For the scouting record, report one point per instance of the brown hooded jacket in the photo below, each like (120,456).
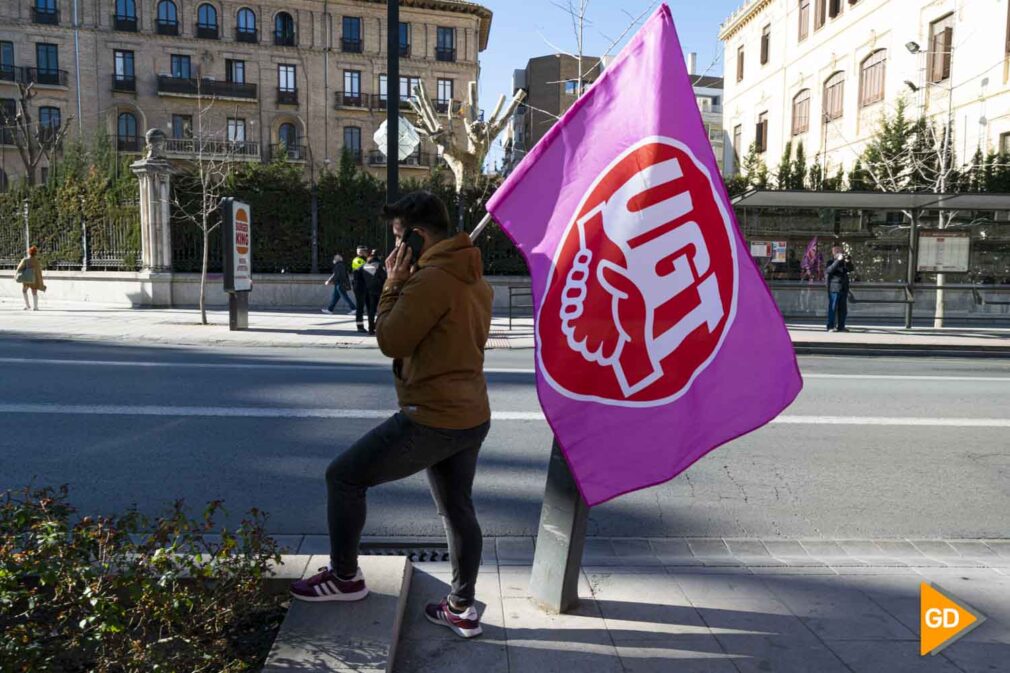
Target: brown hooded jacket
(435,327)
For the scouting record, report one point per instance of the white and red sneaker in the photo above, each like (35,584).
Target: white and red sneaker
(464,624)
(326,586)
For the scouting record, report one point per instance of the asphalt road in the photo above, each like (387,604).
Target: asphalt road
(129,425)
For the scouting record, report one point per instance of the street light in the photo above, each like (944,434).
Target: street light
(913,47)
(911,85)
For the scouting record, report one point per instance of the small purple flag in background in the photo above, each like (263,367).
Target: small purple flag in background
(657,339)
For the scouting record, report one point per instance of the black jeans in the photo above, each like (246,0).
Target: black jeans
(398,448)
(372,308)
(359,307)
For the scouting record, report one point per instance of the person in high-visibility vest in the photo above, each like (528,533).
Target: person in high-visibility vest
(360,292)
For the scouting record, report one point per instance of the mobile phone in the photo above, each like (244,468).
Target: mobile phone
(413,240)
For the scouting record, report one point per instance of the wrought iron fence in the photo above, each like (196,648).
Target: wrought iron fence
(111,243)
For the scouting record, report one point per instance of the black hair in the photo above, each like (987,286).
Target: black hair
(420,209)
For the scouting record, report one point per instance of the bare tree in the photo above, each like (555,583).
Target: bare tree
(34,140)
(214,156)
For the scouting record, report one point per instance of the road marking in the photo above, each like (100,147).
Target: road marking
(373,414)
(384,366)
(900,377)
(487,370)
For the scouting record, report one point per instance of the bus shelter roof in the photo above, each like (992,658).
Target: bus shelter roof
(800,199)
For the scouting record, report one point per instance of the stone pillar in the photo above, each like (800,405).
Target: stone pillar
(154,175)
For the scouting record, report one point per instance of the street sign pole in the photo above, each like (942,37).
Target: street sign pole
(557,560)
(393,100)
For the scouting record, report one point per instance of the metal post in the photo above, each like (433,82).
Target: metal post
(315,228)
(913,246)
(393,100)
(28,240)
(84,246)
(554,581)
(238,311)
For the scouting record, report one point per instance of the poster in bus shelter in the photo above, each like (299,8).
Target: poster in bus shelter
(943,251)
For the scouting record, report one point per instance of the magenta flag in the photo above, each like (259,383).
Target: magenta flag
(656,337)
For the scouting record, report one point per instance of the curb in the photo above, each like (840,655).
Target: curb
(902,350)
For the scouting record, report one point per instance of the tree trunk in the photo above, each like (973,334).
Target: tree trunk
(203,274)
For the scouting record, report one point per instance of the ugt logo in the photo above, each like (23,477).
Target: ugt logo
(643,286)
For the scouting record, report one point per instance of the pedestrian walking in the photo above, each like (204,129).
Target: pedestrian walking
(434,319)
(29,274)
(371,276)
(360,295)
(837,275)
(341,282)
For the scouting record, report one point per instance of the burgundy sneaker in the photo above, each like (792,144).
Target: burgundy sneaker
(465,624)
(326,586)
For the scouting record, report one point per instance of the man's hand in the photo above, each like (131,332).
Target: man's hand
(398,265)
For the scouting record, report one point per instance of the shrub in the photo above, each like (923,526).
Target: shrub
(126,593)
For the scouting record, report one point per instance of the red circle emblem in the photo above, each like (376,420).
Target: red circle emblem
(644,281)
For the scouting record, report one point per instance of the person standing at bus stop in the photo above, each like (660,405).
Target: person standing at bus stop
(360,293)
(837,275)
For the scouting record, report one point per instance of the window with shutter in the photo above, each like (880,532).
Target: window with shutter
(801,112)
(804,20)
(761,133)
(834,8)
(820,13)
(766,38)
(834,90)
(871,78)
(739,63)
(941,44)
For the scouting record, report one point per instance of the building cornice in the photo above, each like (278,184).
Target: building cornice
(741,17)
(460,6)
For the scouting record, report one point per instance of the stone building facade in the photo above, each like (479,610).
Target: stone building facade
(824,72)
(301,80)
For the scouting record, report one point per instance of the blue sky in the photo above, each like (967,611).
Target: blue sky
(522,29)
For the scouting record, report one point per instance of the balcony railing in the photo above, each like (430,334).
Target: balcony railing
(127,24)
(247,35)
(8,73)
(357,155)
(282,39)
(419,159)
(443,106)
(285,152)
(206,87)
(287,96)
(190,147)
(206,31)
(126,83)
(404,50)
(354,99)
(42,76)
(167,27)
(128,144)
(445,54)
(49,17)
(380,103)
(350,45)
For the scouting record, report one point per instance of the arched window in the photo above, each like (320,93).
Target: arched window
(126,9)
(126,132)
(834,94)
(801,112)
(284,30)
(206,21)
(871,78)
(167,13)
(288,134)
(246,25)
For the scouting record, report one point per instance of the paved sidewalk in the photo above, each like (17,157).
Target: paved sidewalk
(720,606)
(307,329)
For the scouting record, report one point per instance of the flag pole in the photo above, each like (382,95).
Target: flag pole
(487,219)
